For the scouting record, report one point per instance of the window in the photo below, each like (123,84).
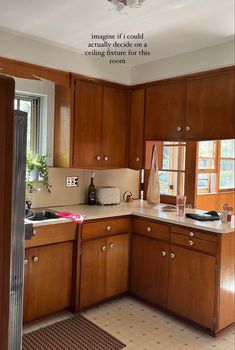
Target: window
(30,105)
(215,166)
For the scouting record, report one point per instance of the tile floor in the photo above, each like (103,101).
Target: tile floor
(142,327)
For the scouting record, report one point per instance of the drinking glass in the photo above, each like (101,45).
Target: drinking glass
(180,205)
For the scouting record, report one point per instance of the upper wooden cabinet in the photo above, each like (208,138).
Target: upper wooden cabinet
(101,125)
(200,107)
(136,142)
(165,111)
(210,109)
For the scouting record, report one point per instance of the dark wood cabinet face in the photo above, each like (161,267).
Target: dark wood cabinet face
(165,111)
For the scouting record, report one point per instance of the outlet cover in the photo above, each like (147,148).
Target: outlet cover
(72,181)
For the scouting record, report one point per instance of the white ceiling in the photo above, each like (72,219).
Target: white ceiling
(170,27)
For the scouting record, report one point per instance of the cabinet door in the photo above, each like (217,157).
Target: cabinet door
(117,265)
(165,111)
(211,107)
(87,125)
(136,149)
(115,127)
(93,271)
(191,291)
(149,269)
(50,279)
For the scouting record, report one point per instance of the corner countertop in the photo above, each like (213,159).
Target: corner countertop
(141,209)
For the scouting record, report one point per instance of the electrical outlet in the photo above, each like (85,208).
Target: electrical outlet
(72,181)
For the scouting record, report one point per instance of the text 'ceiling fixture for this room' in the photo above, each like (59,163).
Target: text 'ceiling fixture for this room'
(121,4)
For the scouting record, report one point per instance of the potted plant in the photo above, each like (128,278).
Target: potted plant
(37,172)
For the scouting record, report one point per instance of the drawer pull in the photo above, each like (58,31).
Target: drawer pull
(148,229)
(190,242)
(98,157)
(35,259)
(178,128)
(34,232)
(163,253)
(191,234)
(26,261)
(111,245)
(137,159)
(188,128)
(104,248)
(172,255)
(106,158)
(109,228)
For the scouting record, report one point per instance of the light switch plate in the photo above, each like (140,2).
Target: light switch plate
(72,181)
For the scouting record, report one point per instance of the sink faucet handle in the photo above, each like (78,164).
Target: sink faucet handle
(28,204)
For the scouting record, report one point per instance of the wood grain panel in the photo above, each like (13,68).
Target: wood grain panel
(115,127)
(87,125)
(105,227)
(194,243)
(50,234)
(165,111)
(151,229)
(149,269)
(211,107)
(191,232)
(136,142)
(117,265)
(93,272)
(215,201)
(191,288)
(49,280)
(7,91)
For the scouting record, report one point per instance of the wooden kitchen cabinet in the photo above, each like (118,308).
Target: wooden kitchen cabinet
(48,280)
(87,125)
(104,268)
(165,111)
(192,285)
(210,107)
(149,269)
(136,142)
(101,126)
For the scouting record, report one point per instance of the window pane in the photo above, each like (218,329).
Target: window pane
(227,173)
(206,163)
(207,149)
(206,183)
(26,106)
(171,183)
(228,149)
(174,158)
(15,103)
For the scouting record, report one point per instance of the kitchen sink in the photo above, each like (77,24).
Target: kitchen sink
(42,215)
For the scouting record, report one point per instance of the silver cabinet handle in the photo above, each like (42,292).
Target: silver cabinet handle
(163,253)
(104,248)
(35,259)
(172,255)
(111,245)
(148,229)
(98,157)
(178,128)
(34,232)
(191,234)
(137,159)
(106,158)
(109,228)
(26,261)
(190,242)
(188,128)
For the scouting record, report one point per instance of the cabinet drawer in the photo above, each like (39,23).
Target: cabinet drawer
(50,234)
(194,243)
(105,228)
(151,229)
(190,232)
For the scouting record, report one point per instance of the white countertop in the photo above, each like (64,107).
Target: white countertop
(140,208)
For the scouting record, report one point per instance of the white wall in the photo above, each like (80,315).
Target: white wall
(125,179)
(33,51)
(197,61)
(46,90)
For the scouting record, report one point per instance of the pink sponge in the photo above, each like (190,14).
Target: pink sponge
(78,218)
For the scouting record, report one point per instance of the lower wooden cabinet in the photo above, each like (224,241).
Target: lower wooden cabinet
(104,268)
(191,285)
(48,280)
(149,273)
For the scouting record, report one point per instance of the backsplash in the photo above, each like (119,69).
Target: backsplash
(125,179)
